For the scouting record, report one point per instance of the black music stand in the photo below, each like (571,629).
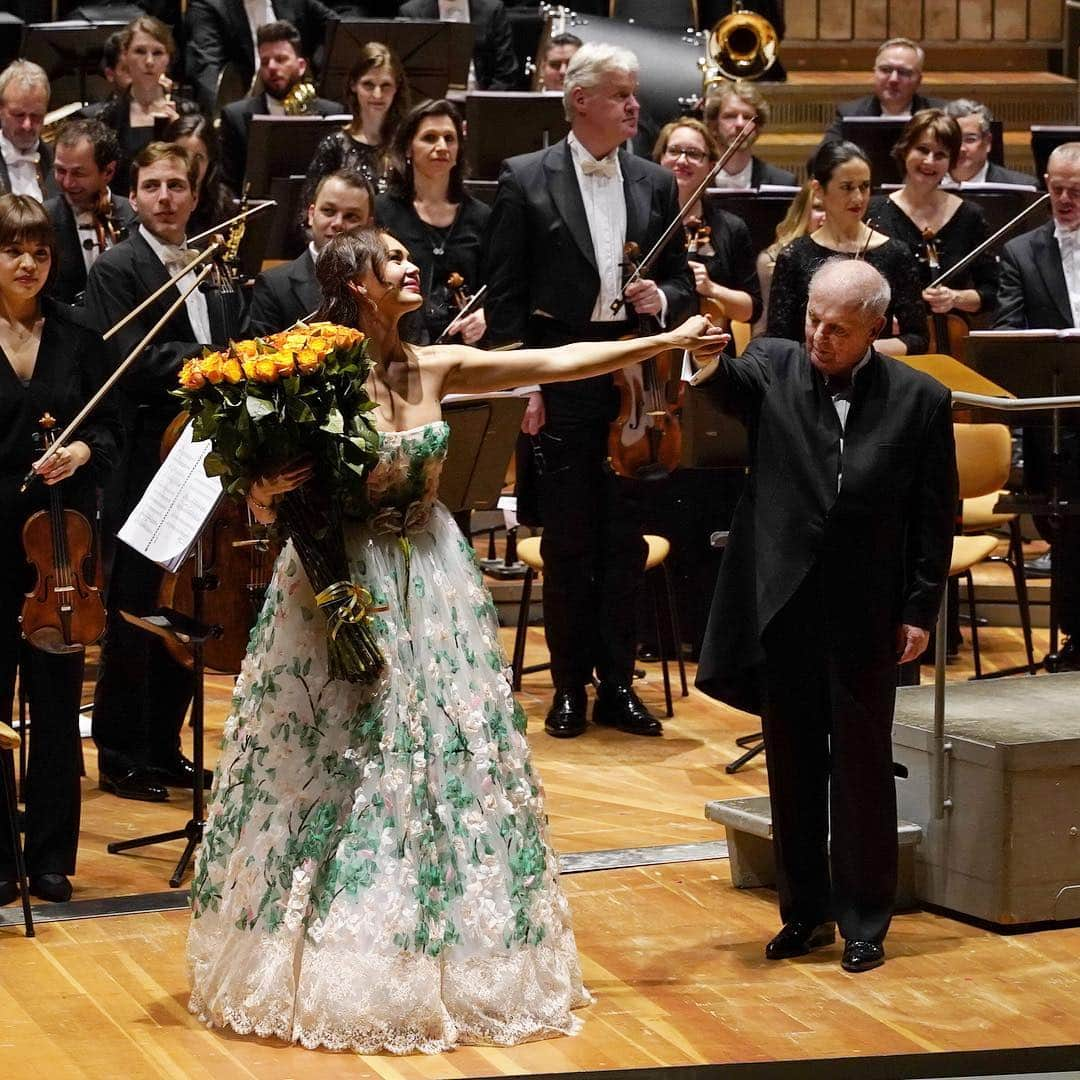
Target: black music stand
(70,53)
(503,124)
(193,633)
(283,146)
(434,54)
(1050,368)
(761,210)
(1000,203)
(877,135)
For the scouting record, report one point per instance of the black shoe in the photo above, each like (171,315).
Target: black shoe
(619,707)
(1067,658)
(9,891)
(862,955)
(566,717)
(180,773)
(136,783)
(798,938)
(52,887)
(1040,566)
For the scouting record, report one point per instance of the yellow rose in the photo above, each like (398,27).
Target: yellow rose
(294,342)
(232,370)
(265,370)
(191,378)
(284,363)
(246,349)
(210,366)
(249,368)
(308,361)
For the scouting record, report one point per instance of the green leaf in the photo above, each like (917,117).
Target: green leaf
(257,408)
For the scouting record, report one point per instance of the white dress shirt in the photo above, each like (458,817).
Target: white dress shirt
(978,178)
(454,10)
(86,230)
(23,168)
(172,258)
(841,399)
(1069,246)
(259,13)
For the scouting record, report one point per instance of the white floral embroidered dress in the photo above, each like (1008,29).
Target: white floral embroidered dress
(375,872)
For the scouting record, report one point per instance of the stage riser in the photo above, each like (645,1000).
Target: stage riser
(1008,849)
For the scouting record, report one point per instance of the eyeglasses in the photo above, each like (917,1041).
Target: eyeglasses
(886,70)
(692,154)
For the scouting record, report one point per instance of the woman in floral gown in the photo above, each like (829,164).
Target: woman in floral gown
(375,872)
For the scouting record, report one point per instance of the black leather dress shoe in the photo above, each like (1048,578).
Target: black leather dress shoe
(55,888)
(566,717)
(1067,658)
(862,955)
(798,938)
(619,707)
(134,784)
(180,773)
(9,891)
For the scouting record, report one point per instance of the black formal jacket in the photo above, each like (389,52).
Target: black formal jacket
(69,280)
(282,295)
(236,126)
(761,172)
(998,174)
(48,181)
(1032,294)
(871,106)
(883,541)
(493,52)
(119,280)
(219,34)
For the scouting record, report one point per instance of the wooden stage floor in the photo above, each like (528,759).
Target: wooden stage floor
(672,952)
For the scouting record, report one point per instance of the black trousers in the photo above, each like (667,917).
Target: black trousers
(142,693)
(828,743)
(54,686)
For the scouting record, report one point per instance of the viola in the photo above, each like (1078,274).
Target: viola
(645,438)
(238,561)
(63,613)
(948,331)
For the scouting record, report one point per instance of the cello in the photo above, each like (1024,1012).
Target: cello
(63,613)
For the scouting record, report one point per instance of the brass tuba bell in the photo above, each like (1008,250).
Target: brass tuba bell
(742,45)
(300,99)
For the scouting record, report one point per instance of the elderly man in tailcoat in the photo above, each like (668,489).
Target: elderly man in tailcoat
(833,575)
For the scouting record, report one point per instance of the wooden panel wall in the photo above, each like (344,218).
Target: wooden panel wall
(1006,21)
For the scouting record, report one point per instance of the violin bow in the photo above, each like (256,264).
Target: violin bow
(106,386)
(257,208)
(972,255)
(676,222)
(474,302)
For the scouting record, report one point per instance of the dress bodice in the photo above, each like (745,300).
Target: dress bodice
(404,484)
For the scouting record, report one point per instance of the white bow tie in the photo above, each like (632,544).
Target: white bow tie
(605,167)
(174,258)
(23,157)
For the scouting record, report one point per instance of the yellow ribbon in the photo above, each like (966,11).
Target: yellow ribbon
(346,602)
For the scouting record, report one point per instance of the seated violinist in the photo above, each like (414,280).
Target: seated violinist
(87,217)
(142,693)
(344,201)
(54,365)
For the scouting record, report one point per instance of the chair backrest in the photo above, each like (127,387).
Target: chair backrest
(983,458)
(740,334)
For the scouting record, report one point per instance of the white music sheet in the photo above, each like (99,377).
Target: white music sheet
(175,506)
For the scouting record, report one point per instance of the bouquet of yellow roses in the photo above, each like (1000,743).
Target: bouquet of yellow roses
(266,402)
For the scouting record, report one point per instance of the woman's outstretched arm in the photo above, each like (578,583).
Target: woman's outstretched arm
(468,370)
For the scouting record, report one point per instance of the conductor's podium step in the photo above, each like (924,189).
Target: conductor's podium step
(748,825)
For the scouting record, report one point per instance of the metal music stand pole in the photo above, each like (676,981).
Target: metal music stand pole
(194,633)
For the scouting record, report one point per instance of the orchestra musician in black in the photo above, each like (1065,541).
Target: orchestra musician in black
(142,693)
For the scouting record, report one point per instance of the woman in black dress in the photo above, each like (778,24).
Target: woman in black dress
(722,253)
(841,173)
(379,94)
(920,212)
(428,210)
(49,363)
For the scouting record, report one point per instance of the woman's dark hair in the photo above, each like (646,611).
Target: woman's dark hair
(830,156)
(23,221)
(215,198)
(374,56)
(935,124)
(401,171)
(341,262)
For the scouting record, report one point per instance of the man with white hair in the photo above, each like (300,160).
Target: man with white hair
(554,266)
(833,575)
(25,161)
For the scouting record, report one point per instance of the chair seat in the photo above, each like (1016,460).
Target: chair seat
(9,738)
(528,551)
(969,551)
(979,515)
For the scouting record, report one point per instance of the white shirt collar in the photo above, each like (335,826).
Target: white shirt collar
(162,250)
(454,10)
(580,154)
(12,153)
(1066,236)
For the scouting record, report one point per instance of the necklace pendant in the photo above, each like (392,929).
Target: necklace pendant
(438,251)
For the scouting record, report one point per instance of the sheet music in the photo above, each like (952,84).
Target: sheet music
(175,506)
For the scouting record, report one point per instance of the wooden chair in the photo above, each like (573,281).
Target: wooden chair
(983,461)
(659,548)
(9,743)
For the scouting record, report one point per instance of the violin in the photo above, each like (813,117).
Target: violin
(63,613)
(948,331)
(461,300)
(645,438)
(238,561)
(698,248)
